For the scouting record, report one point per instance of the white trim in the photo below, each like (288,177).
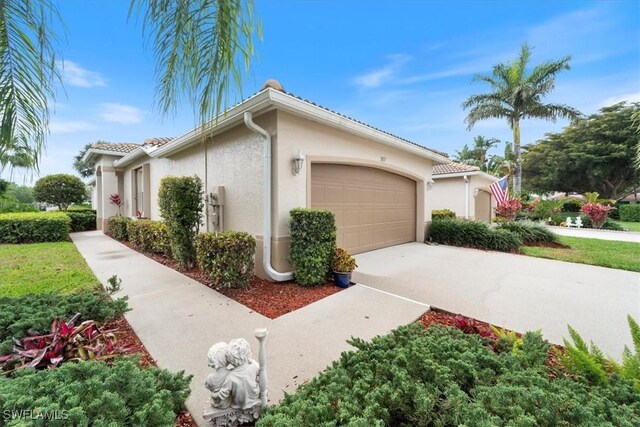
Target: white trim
(129,158)
(91,151)
(463,174)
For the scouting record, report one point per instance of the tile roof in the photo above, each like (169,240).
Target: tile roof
(453,167)
(157,142)
(118,148)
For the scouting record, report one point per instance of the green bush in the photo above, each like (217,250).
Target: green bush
(443,377)
(630,213)
(149,236)
(82,220)
(227,257)
(180,200)
(81,208)
(472,234)
(36,311)
(61,190)
(571,205)
(442,214)
(529,232)
(94,393)
(313,244)
(11,205)
(118,227)
(32,227)
(615,212)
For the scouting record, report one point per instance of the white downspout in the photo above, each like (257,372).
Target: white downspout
(466,197)
(266,202)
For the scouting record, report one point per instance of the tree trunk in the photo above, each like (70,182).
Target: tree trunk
(517,179)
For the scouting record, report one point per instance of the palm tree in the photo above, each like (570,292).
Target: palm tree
(476,156)
(517,94)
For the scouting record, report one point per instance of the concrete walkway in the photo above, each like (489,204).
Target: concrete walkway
(514,291)
(178,319)
(622,236)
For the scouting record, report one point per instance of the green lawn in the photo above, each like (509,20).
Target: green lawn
(631,226)
(40,267)
(604,253)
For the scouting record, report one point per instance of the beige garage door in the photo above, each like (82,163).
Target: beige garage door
(373,208)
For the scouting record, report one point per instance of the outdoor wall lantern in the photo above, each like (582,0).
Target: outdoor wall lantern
(297,162)
(430,184)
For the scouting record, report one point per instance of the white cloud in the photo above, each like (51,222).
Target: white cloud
(629,97)
(75,75)
(69,126)
(121,113)
(380,76)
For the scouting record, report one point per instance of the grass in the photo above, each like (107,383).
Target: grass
(631,226)
(40,267)
(603,253)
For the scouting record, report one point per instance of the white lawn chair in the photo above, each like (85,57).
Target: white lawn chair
(578,222)
(569,223)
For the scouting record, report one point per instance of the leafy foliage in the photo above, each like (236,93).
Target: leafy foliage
(60,190)
(594,153)
(227,257)
(529,232)
(118,227)
(472,234)
(313,243)
(35,311)
(82,220)
(442,214)
(597,213)
(477,156)
(180,200)
(149,236)
(630,213)
(12,205)
(343,262)
(98,394)
(84,168)
(31,227)
(571,205)
(508,208)
(442,377)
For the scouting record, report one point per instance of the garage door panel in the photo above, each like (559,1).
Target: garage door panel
(373,208)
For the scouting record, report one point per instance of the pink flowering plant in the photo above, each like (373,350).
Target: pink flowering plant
(115,199)
(597,213)
(508,208)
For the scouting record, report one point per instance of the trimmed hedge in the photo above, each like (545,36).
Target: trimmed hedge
(313,243)
(529,232)
(118,227)
(228,257)
(442,214)
(472,234)
(82,220)
(629,213)
(149,236)
(34,227)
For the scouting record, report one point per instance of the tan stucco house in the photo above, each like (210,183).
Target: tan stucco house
(269,154)
(463,189)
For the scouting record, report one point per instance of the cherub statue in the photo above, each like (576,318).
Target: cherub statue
(217,360)
(240,389)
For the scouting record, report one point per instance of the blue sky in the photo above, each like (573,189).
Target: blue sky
(402,66)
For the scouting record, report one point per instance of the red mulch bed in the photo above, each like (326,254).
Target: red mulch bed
(267,298)
(555,245)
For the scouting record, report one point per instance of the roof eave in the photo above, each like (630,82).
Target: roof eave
(462,174)
(94,151)
(129,158)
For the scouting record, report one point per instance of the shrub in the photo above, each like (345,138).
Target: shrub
(597,213)
(180,200)
(118,227)
(508,208)
(472,234)
(313,243)
(571,205)
(11,204)
(529,232)
(630,213)
(227,257)
(442,214)
(60,190)
(442,377)
(81,208)
(149,236)
(35,311)
(97,394)
(343,262)
(82,220)
(34,227)
(615,212)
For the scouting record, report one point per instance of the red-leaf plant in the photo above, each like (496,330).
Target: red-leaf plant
(597,213)
(65,342)
(508,208)
(470,326)
(116,200)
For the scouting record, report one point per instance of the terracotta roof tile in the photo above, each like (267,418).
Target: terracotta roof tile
(118,148)
(157,142)
(453,167)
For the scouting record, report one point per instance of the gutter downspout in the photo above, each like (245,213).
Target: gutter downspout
(466,197)
(266,202)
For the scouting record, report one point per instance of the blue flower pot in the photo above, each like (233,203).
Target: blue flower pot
(342,280)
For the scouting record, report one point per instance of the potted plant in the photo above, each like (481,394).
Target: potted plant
(343,264)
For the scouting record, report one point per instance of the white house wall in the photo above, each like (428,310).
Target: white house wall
(449,193)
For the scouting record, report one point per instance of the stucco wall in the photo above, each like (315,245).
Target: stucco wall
(449,193)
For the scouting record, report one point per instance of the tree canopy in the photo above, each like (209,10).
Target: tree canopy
(60,190)
(593,154)
(85,169)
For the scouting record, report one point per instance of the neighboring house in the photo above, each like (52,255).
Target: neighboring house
(269,154)
(463,189)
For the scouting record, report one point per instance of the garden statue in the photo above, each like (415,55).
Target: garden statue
(238,385)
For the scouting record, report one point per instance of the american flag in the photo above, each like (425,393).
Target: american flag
(499,189)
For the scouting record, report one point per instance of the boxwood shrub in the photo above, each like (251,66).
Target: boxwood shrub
(94,393)
(118,227)
(228,257)
(442,214)
(313,243)
(84,220)
(149,236)
(472,234)
(32,227)
(629,213)
(529,232)
(442,377)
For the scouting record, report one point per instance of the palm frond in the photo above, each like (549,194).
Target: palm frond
(552,112)
(27,75)
(487,111)
(202,48)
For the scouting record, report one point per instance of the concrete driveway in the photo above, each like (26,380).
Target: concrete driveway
(514,291)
